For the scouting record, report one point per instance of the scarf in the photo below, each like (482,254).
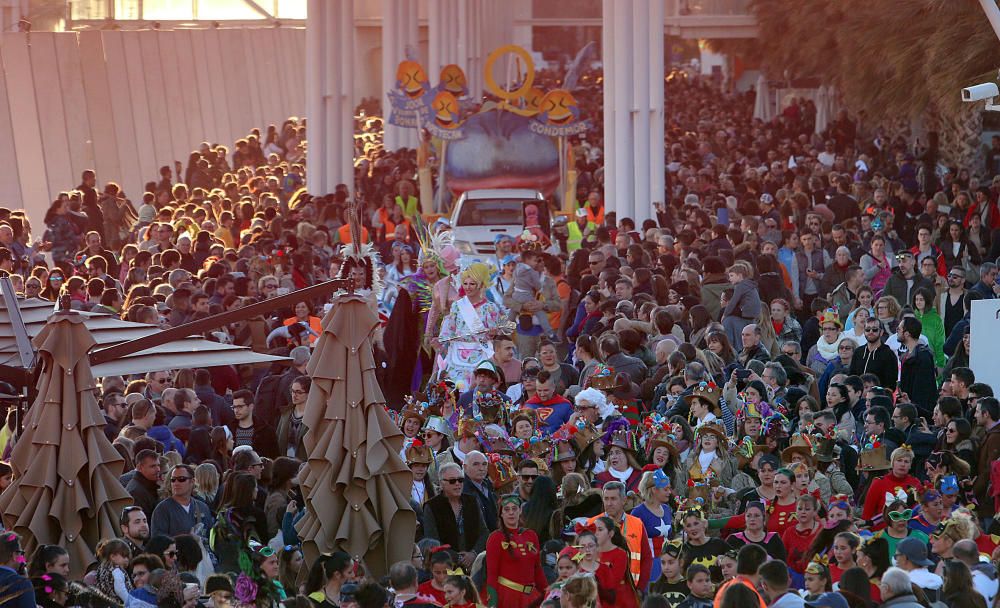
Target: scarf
(621,476)
(826,350)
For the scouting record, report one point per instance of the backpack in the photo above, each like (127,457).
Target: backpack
(266,399)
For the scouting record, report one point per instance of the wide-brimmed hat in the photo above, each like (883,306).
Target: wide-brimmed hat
(438,393)
(709,392)
(537,447)
(713,427)
(625,439)
(873,457)
(603,378)
(624,388)
(801,443)
(492,406)
(661,433)
(825,448)
(501,473)
(413,409)
(439,425)
(418,453)
(525,413)
(582,435)
(467,427)
(562,451)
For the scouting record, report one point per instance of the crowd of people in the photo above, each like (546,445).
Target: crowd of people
(763,396)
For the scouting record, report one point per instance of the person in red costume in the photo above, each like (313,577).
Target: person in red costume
(615,587)
(440,563)
(898,477)
(514,575)
(780,511)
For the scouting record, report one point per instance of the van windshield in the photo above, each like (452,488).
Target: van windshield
(491,212)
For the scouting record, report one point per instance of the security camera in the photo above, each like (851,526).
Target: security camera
(987,90)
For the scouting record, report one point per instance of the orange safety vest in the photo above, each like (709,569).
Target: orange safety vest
(597,219)
(632,529)
(389,226)
(344,234)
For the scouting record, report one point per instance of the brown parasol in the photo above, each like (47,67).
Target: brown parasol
(65,489)
(356,485)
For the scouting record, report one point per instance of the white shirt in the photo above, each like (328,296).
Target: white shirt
(925,579)
(986,586)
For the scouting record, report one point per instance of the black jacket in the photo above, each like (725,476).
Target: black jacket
(144,493)
(440,523)
(265,441)
(896,287)
(917,379)
(883,363)
(487,502)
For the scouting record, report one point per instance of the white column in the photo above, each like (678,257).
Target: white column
(329,93)
(657,146)
(633,107)
(399,32)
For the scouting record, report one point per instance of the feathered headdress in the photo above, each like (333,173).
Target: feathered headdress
(360,255)
(438,247)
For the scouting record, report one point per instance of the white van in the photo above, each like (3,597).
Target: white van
(480,215)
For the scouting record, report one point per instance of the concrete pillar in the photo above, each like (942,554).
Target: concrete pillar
(521,11)
(399,33)
(330,60)
(633,107)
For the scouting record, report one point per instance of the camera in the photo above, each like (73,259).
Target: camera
(986,91)
(979,92)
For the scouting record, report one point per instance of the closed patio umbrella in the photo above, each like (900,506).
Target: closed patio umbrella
(65,489)
(356,486)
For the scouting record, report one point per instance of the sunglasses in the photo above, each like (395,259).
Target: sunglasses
(170,554)
(529,477)
(453,480)
(872,330)
(904,515)
(179,479)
